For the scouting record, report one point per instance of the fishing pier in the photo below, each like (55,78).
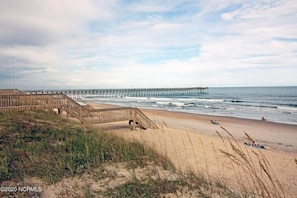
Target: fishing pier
(137,92)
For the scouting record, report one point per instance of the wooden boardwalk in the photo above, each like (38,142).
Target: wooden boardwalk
(18,101)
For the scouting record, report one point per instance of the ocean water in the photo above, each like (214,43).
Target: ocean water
(276,104)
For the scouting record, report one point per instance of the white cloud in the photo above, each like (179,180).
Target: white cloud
(147,43)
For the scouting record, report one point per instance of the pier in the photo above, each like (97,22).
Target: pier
(137,92)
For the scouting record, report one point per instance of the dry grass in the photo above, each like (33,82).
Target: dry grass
(253,174)
(252,169)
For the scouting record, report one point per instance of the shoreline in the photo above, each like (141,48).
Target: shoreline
(218,115)
(106,105)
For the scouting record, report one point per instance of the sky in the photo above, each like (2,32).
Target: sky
(75,44)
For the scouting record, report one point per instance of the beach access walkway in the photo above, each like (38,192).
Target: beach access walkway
(14,100)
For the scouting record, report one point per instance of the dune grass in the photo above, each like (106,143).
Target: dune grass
(41,144)
(46,146)
(253,171)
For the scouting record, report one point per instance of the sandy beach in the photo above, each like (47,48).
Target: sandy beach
(192,143)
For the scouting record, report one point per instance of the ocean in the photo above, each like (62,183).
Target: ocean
(276,104)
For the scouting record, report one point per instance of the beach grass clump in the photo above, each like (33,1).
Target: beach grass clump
(252,169)
(151,188)
(185,185)
(42,144)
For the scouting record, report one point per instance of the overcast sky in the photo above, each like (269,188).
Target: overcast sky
(70,44)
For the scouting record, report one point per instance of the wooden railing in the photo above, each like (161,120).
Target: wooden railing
(29,102)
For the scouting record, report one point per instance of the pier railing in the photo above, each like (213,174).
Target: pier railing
(61,102)
(137,92)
